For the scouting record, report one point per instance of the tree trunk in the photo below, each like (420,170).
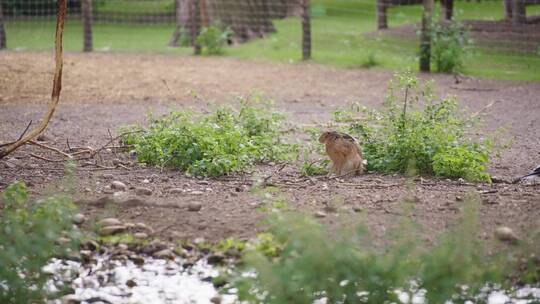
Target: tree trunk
(425,36)
(518,12)
(382,18)
(2,29)
(447,9)
(179,9)
(195,25)
(247,18)
(86,14)
(508,9)
(306,30)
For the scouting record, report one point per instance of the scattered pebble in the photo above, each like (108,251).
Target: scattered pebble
(320,214)
(118,185)
(176,190)
(107,175)
(506,234)
(140,235)
(194,206)
(43,137)
(146,181)
(110,230)
(215,258)
(79,219)
(143,191)
(111,221)
(196,192)
(164,254)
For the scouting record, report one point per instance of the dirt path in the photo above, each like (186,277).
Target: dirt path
(105,91)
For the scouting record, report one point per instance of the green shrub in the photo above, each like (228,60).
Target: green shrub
(417,132)
(27,242)
(347,268)
(450,44)
(219,143)
(212,39)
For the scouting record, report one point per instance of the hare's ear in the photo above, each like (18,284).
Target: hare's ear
(323,137)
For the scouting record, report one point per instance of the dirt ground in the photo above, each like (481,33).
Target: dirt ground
(102,92)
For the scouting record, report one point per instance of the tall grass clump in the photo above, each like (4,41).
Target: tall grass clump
(28,234)
(347,268)
(212,39)
(416,130)
(450,45)
(214,144)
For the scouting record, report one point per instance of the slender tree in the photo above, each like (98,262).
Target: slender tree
(2,29)
(86,15)
(306,30)
(425,36)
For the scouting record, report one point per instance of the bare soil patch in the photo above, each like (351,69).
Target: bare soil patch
(105,91)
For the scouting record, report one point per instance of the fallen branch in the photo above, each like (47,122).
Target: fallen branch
(51,148)
(46,159)
(57,86)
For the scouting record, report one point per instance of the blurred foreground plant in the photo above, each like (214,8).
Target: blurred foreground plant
(29,234)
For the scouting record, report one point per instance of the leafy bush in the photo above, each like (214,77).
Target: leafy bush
(315,264)
(220,143)
(212,39)
(450,44)
(27,242)
(417,130)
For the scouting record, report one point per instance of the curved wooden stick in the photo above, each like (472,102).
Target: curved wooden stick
(57,85)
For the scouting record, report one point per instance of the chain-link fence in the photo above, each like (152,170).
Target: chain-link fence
(491,37)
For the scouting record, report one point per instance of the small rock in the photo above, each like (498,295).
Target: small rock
(320,214)
(108,190)
(110,230)
(196,192)
(164,254)
(216,300)
(143,191)
(194,206)
(357,209)
(86,255)
(459,198)
(141,226)
(498,180)
(43,137)
(506,234)
(123,247)
(324,186)
(138,260)
(131,283)
(107,176)
(140,235)
(118,185)
(70,299)
(91,245)
(215,258)
(176,191)
(79,219)
(146,181)
(131,201)
(111,221)
(154,246)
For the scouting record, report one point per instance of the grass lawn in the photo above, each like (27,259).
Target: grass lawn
(343,34)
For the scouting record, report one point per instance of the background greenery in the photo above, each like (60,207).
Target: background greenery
(343,36)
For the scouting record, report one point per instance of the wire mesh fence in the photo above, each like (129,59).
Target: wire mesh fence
(502,36)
